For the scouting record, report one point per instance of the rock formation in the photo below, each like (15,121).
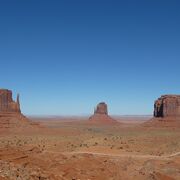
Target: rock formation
(10,112)
(166,112)
(101,109)
(101,115)
(167,106)
(6,102)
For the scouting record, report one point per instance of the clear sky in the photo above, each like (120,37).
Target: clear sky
(65,56)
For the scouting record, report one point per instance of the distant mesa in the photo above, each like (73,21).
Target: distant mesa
(166,112)
(10,112)
(167,106)
(101,115)
(101,109)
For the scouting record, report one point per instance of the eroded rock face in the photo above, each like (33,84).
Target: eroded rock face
(101,109)
(10,113)
(7,104)
(167,106)
(101,115)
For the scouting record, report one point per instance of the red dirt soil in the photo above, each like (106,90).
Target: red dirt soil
(77,150)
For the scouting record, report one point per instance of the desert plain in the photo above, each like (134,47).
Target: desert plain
(72,148)
(89,90)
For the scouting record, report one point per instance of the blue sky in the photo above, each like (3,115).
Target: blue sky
(64,57)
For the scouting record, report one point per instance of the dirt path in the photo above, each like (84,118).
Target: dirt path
(126,155)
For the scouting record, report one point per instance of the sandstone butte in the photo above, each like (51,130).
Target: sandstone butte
(101,115)
(10,112)
(167,106)
(7,105)
(166,112)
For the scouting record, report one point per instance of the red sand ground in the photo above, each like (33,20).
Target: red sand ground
(74,149)
(102,119)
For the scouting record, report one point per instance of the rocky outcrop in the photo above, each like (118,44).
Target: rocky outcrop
(101,115)
(10,112)
(166,112)
(7,104)
(101,109)
(167,106)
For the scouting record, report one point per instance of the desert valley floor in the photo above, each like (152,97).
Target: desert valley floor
(74,149)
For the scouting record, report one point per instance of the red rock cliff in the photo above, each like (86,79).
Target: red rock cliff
(167,106)
(7,104)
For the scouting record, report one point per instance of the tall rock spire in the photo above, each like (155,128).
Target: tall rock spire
(17,101)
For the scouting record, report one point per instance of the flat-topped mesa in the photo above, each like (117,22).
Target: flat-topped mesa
(7,104)
(167,106)
(101,108)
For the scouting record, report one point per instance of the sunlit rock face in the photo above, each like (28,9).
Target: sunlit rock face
(167,106)
(7,104)
(11,117)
